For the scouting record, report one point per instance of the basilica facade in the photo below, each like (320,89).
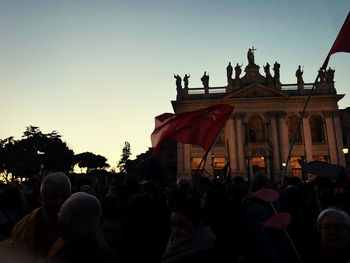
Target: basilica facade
(258,134)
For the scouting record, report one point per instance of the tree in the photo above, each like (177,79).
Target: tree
(34,152)
(91,161)
(124,161)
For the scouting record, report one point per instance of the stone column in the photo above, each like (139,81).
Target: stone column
(240,141)
(283,135)
(307,138)
(332,147)
(230,137)
(274,140)
(251,172)
(208,167)
(180,165)
(267,165)
(187,159)
(339,139)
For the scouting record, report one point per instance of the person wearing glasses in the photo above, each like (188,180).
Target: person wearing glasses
(334,228)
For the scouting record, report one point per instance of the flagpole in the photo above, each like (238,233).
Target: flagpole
(206,153)
(288,236)
(297,128)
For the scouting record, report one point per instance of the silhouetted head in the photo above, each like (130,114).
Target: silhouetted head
(80,215)
(55,189)
(185,219)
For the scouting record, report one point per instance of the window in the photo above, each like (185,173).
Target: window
(316,126)
(292,125)
(255,132)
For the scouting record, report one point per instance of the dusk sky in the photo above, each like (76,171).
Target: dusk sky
(98,72)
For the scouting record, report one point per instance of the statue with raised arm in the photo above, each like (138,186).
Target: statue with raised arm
(186,77)
(299,75)
(250,56)
(238,70)
(178,82)
(205,80)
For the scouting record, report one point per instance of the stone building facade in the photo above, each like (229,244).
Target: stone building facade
(257,136)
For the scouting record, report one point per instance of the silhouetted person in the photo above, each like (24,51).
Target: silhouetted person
(189,241)
(79,218)
(38,231)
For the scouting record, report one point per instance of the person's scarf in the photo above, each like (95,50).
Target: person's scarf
(183,247)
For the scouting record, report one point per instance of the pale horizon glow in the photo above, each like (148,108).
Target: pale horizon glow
(98,72)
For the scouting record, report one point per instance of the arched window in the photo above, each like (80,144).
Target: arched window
(292,125)
(255,132)
(316,126)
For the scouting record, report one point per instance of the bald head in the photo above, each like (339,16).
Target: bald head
(80,215)
(55,189)
(56,179)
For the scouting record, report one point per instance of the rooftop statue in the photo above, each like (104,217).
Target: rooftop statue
(267,70)
(250,56)
(178,81)
(205,80)
(238,70)
(322,74)
(276,69)
(229,70)
(299,75)
(186,77)
(330,75)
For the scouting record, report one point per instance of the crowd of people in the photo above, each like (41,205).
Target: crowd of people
(59,219)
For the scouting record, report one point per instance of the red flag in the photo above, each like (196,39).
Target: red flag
(266,194)
(195,127)
(278,221)
(342,42)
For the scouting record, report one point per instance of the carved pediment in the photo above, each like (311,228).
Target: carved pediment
(256,91)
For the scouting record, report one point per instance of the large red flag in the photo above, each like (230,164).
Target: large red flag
(195,127)
(342,42)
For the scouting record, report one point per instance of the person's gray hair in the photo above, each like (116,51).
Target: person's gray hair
(57,178)
(184,181)
(81,214)
(333,210)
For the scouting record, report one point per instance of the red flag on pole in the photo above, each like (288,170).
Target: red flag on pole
(266,194)
(342,42)
(278,221)
(196,127)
